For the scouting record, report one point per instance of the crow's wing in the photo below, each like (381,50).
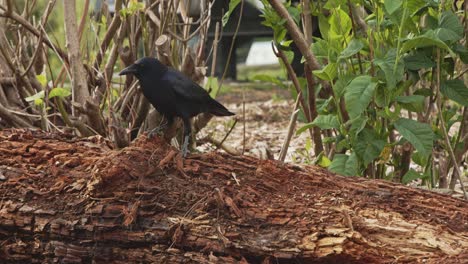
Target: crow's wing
(185,87)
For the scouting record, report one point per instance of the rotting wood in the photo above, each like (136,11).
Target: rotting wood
(77,201)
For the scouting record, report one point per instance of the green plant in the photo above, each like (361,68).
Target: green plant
(395,76)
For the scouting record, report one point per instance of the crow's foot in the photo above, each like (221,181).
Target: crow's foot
(185,146)
(157,131)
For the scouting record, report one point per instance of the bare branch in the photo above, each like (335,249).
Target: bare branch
(296,34)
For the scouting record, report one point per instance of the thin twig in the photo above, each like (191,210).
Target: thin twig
(460,74)
(243,120)
(215,50)
(228,133)
(291,127)
(47,12)
(231,49)
(444,130)
(32,29)
(296,34)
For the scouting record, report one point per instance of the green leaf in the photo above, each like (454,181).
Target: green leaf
(340,23)
(322,121)
(447,35)
(449,20)
(332,4)
(328,73)
(344,164)
(424,92)
(392,5)
(304,128)
(418,61)
(420,159)
(324,26)
(428,39)
(368,146)
(354,47)
(232,5)
(31,98)
(420,135)
(455,90)
(341,83)
(135,6)
(38,101)
(323,161)
(417,7)
(42,79)
(212,86)
(308,144)
(357,125)
(462,51)
(413,103)
(393,74)
(358,95)
(326,122)
(295,13)
(411,175)
(268,78)
(320,48)
(60,92)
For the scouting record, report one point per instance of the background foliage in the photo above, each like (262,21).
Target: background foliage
(392,93)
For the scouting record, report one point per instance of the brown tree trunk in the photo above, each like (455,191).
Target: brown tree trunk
(79,83)
(77,201)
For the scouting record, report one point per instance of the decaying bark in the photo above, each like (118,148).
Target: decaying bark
(76,200)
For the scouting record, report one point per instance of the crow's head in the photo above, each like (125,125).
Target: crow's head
(145,67)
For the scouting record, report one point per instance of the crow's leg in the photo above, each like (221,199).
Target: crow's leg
(167,122)
(187,131)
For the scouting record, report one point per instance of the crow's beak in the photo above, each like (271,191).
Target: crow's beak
(132,69)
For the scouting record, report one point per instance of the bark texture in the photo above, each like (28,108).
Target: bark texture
(79,83)
(74,200)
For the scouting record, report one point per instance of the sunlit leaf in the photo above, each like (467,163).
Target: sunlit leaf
(212,86)
(340,23)
(38,101)
(31,98)
(324,162)
(59,92)
(42,79)
(328,73)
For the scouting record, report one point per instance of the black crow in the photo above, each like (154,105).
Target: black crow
(173,94)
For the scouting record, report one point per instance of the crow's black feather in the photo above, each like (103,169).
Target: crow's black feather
(173,94)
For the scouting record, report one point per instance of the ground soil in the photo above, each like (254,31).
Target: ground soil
(267,113)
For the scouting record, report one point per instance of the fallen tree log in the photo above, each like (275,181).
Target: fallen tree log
(77,201)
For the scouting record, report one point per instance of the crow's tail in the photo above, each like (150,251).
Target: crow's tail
(218,109)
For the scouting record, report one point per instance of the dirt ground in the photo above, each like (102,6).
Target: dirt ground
(267,115)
